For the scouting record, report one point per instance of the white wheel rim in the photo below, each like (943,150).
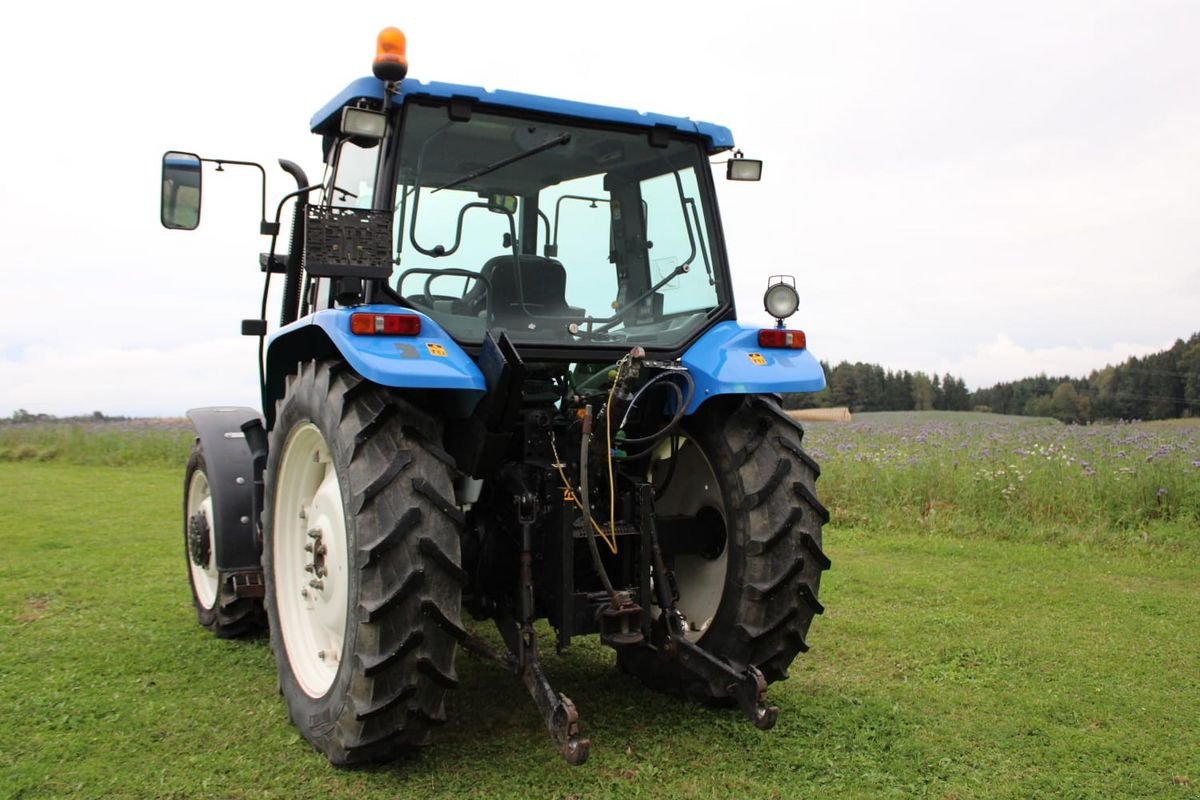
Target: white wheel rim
(701,581)
(205,579)
(310,562)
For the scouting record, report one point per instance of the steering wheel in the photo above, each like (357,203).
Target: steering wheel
(428,297)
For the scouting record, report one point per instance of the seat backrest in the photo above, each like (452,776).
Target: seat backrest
(543,284)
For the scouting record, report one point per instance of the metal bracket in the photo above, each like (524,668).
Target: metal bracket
(746,686)
(558,711)
(248,584)
(562,720)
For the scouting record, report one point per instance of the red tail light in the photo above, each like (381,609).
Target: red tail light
(385,324)
(781,338)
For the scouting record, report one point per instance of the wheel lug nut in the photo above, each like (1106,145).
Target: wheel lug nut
(308,548)
(309,567)
(318,585)
(304,593)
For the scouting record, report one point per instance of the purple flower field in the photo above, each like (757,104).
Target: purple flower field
(1009,474)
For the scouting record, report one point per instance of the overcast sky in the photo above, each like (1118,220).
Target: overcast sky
(988,189)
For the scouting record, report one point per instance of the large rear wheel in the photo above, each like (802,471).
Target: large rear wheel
(748,595)
(361,559)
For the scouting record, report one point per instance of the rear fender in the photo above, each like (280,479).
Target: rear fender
(728,360)
(229,466)
(431,360)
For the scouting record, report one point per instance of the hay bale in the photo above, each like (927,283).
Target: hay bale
(839,414)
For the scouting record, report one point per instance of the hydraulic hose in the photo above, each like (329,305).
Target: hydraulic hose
(586,507)
(680,410)
(682,401)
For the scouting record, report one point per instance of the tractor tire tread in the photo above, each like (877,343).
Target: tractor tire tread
(399,662)
(775,558)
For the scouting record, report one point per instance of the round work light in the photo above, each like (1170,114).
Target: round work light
(781,300)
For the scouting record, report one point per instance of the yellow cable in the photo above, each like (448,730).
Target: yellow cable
(612,494)
(612,545)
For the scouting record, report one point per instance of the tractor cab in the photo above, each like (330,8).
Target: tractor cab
(563,225)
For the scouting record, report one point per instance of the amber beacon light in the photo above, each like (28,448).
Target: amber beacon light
(391,63)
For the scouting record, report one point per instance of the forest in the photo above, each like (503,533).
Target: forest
(1162,385)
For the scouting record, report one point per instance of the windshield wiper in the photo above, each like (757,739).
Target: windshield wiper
(504,162)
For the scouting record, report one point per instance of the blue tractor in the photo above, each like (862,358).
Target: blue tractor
(508,379)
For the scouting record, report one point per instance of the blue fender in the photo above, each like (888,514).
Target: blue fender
(429,360)
(728,360)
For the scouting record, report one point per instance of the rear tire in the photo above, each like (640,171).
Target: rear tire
(752,603)
(364,623)
(218,608)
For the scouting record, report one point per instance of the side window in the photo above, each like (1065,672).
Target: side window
(353,183)
(678,235)
(352,186)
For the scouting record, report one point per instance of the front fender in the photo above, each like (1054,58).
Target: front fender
(728,360)
(229,466)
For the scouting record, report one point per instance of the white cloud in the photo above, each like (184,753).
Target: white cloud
(1002,359)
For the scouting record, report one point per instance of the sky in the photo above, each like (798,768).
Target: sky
(993,190)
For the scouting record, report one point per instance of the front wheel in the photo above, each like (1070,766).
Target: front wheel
(361,555)
(218,608)
(749,594)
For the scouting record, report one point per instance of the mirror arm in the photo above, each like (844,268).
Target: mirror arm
(264,227)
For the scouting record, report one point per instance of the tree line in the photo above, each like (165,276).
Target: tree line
(1162,385)
(868,387)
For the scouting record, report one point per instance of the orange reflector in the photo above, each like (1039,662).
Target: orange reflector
(385,324)
(391,62)
(782,338)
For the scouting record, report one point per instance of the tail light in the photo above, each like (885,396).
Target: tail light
(781,338)
(363,324)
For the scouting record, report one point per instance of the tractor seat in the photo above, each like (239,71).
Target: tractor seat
(543,284)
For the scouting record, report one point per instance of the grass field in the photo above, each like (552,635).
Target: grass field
(962,655)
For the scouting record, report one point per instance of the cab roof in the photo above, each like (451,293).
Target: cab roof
(327,120)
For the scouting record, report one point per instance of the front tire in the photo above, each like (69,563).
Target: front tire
(361,559)
(752,602)
(218,608)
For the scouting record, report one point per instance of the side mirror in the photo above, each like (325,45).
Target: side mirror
(180,208)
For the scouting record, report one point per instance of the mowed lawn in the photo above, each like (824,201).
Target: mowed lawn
(945,666)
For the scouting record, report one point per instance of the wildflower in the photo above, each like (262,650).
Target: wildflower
(1162,491)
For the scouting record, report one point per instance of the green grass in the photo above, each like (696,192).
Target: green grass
(162,443)
(946,666)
